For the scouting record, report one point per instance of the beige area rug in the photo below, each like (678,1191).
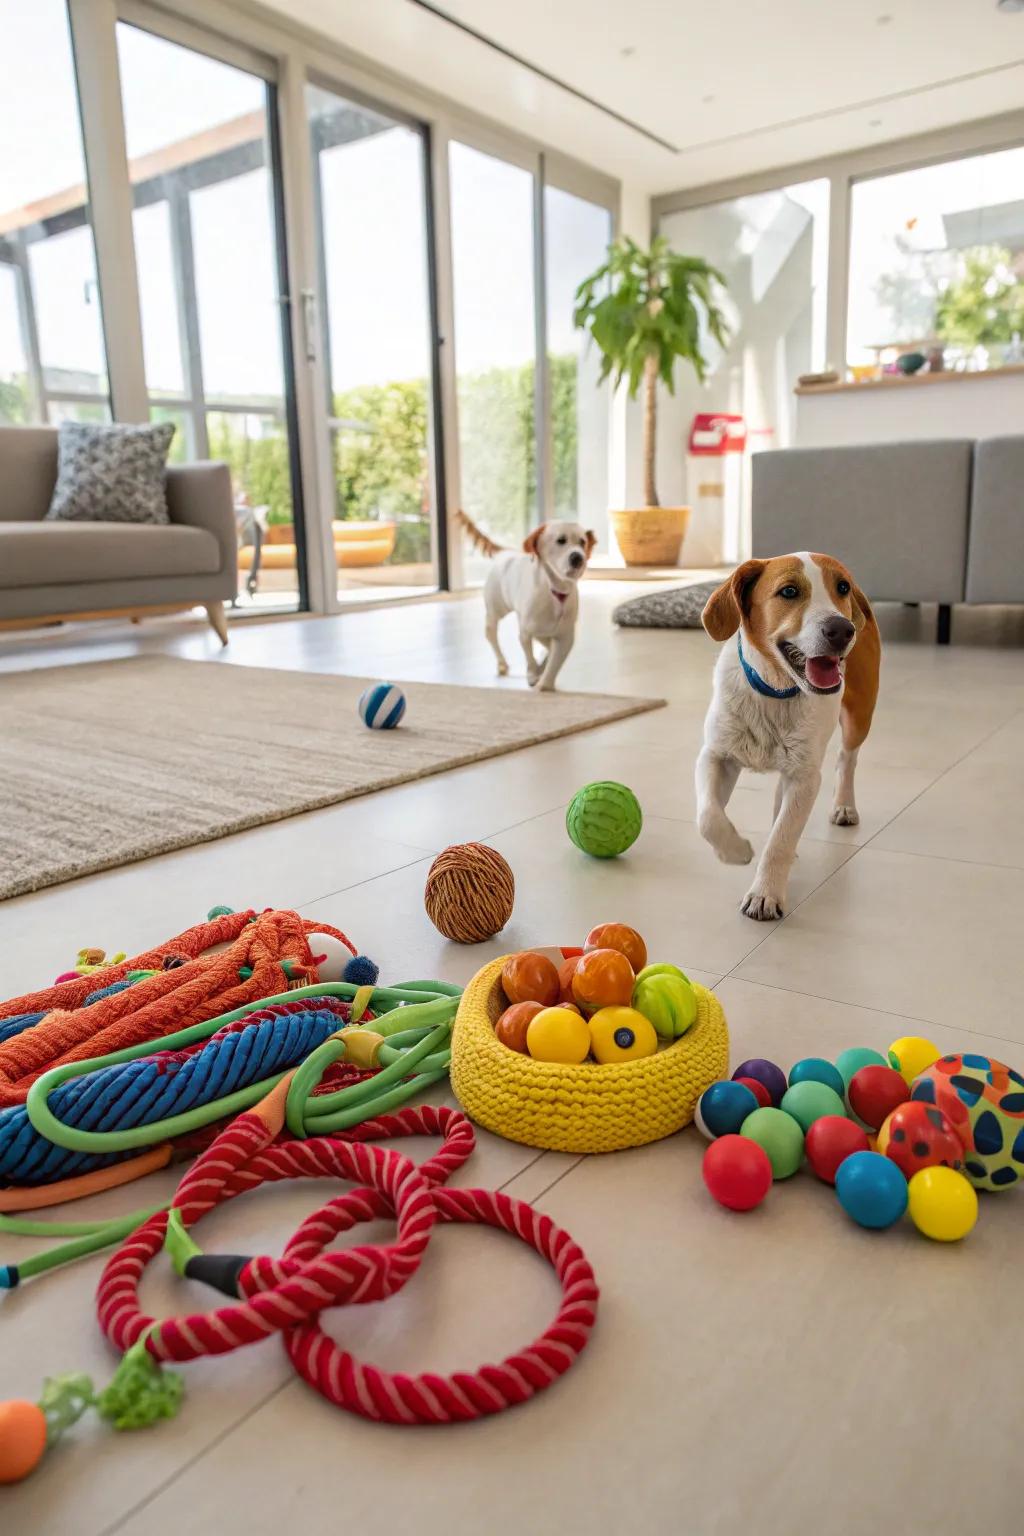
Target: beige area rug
(113,761)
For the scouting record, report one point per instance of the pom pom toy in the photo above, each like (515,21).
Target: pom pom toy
(604,819)
(381,706)
(470,893)
(360,971)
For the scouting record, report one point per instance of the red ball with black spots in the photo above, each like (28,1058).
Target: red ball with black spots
(916,1136)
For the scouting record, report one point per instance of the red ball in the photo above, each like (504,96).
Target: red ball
(874,1093)
(918,1135)
(737,1172)
(829,1141)
(757,1088)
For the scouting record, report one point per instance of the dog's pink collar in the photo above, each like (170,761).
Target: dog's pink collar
(560,595)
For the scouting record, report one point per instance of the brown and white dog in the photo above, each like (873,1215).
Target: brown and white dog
(806,656)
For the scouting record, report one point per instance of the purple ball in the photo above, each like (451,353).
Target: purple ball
(766,1072)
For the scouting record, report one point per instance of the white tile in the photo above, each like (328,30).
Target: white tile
(929,938)
(972,813)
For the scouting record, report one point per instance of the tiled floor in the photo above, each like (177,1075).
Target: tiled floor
(770,1374)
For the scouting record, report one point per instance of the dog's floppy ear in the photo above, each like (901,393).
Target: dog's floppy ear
(532,539)
(591,538)
(862,613)
(725,608)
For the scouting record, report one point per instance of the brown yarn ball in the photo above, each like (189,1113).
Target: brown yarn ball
(470,893)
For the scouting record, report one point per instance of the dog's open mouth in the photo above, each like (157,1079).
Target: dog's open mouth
(821,673)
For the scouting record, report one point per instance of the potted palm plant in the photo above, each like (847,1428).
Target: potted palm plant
(645,310)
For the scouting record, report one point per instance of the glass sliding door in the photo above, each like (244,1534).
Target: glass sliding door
(493,261)
(207,253)
(576,238)
(376,336)
(52,356)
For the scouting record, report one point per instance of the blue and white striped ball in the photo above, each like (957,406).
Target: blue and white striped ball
(382,706)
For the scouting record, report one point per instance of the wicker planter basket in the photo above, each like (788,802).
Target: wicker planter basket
(588,1108)
(650,535)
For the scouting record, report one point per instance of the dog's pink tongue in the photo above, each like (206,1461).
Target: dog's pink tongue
(822,671)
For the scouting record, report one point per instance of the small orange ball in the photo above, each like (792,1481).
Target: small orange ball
(530,978)
(618,936)
(514,1022)
(22,1439)
(566,972)
(603,979)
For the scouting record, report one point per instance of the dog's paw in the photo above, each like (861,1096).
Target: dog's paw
(735,850)
(503,669)
(845,816)
(762,906)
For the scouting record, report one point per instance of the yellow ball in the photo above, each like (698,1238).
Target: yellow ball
(558,1034)
(942,1204)
(911,1055)
(621,1034)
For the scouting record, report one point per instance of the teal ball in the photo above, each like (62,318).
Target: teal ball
(809,1101)
(814,1069)
(849,1063)
(604,819)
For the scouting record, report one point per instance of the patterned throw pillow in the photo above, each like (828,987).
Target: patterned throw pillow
(111,474)
(678,608)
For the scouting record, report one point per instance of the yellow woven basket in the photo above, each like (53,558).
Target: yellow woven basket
(587,1108)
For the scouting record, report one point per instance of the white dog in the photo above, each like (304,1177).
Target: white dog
(806,656)
(540,588)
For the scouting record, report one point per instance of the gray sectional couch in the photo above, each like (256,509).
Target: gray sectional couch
(57,569)
(930,521)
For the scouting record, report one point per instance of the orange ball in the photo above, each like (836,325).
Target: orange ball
(566,972)
(603,979)
(530,978)
(618,936)
(515,1021)
(22,1439)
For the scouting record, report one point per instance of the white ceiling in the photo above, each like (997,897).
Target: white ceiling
(733,87)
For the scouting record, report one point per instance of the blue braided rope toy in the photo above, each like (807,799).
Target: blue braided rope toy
(141,1092)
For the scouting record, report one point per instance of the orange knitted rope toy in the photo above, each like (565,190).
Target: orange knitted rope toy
(204,987)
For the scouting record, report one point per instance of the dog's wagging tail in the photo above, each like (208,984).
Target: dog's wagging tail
(476,536)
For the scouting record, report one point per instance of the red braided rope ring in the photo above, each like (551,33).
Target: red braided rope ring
(286,1295)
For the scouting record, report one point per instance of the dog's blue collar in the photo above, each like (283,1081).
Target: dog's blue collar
(758,683)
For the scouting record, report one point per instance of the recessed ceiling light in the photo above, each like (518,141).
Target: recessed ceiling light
(1010,6)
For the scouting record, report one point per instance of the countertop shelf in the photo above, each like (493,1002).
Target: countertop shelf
(912,381)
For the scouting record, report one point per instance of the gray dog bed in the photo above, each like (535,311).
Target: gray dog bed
(678,608)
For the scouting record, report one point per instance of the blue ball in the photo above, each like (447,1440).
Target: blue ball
(360,971)
(871,1189)
(722,1109)
(814,1069)
(382,706)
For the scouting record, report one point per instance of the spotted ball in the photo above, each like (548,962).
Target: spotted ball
(984,1102)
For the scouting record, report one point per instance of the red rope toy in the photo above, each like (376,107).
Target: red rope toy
(287,1295)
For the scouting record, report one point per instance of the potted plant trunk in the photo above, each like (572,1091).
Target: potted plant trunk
(645,310)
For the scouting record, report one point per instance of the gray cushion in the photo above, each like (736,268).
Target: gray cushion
(28,472)
(677,608)
(995,555)
(894,513)
(111,474)
(48,553)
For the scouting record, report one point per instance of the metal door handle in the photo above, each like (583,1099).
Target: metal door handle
(309,323)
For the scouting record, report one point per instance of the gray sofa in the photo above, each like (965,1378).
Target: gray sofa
(57,569)
(930,521)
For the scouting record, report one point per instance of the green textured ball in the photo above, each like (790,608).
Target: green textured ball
(604,819)
(809,1100)
(849,1062)
(780,1136)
